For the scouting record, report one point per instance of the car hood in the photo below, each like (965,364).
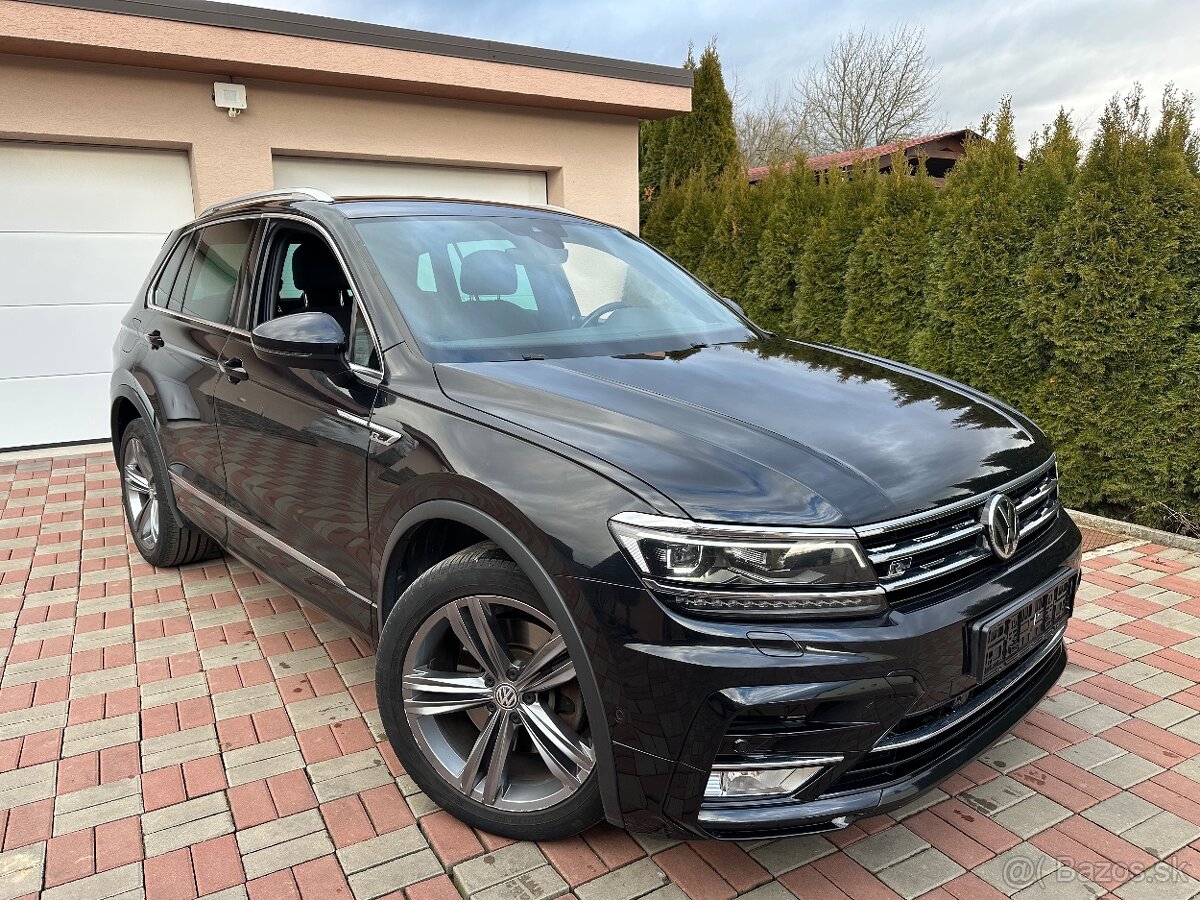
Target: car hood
(766,431)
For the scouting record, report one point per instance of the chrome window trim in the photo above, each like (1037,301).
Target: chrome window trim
(152,284)
(879,528)
(229,329)
(263,534)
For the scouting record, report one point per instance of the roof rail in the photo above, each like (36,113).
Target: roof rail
(297,193)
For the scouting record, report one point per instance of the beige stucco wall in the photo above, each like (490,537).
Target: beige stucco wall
(33,29)
(590,158)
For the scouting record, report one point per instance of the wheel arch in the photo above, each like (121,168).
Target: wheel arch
(127,405)
(495,530)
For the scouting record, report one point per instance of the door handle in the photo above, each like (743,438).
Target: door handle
(155,339)
(233,368)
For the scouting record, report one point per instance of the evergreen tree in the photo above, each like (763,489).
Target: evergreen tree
(705,138)
(974,305)
(1173,164)
(770,298)
(652,137)
(693,226)
(821,284)
(1045,187)
(742,210)
(1116,302)
(661,226)
(886,272)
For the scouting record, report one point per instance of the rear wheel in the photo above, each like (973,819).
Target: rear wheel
(161,537)
(481,701)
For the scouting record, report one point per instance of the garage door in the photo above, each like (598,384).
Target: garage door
(357,178)
(79,228)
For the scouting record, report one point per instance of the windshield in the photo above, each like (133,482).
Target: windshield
(478,288)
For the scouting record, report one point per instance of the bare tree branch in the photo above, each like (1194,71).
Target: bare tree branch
(767,130)
(871,89)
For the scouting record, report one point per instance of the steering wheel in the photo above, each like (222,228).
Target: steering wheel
(600,312)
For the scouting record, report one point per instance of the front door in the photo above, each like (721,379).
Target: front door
(295,441)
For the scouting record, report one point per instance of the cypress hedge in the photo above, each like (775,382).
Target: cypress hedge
(1068,287)
(885,274)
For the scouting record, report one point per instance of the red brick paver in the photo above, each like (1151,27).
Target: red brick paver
(150,738)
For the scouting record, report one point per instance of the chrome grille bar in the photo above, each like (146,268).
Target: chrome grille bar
(883,528)
(1032,526)
(957,530)
(919,576)
(1038,496)
(923,544)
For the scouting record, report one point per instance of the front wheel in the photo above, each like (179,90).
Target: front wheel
(481,701)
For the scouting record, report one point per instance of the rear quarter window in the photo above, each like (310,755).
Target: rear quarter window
(178,262)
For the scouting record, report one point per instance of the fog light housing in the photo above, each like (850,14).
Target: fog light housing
(737,782)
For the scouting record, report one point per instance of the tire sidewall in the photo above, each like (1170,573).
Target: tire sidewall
(168,524)
(429,593)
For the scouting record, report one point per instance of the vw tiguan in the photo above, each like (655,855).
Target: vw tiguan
(622,553)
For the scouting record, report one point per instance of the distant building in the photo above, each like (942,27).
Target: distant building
(941,152)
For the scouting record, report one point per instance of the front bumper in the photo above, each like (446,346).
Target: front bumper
(683,694)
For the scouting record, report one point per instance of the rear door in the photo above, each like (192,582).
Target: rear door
(187,324)
(295,441)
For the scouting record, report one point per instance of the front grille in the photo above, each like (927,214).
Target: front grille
(918,554)
(905,752)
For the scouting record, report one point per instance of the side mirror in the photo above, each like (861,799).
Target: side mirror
(735,306)
(305,340)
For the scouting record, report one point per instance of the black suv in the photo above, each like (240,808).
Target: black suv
(623,554)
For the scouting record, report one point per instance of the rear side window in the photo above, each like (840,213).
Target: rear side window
(168,290)
(220,251)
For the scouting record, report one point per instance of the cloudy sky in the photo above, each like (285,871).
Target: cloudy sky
(1045,54)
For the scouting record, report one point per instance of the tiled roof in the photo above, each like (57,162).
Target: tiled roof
(849,157)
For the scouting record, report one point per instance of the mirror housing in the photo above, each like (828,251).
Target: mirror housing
(735,306)
(304,340)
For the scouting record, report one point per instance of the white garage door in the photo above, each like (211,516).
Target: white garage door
(79,228)
(358,178)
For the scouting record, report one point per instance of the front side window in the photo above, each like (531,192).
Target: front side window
(212,280)
(362,345)
(303,274)
(475,288)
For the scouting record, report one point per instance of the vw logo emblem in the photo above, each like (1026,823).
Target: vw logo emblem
(1003,526)
(506,696)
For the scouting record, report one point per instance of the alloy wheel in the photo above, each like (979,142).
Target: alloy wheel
(493,702)
(141,493)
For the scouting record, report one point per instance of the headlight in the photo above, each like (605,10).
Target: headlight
(745,571)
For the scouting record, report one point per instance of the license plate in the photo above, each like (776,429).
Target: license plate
(1002,638)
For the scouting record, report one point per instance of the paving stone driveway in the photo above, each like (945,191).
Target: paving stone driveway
(197,732)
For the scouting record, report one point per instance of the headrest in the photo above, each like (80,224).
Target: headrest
(488,273)
(315,268)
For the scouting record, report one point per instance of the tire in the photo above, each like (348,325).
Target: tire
(444,709)
(160,534)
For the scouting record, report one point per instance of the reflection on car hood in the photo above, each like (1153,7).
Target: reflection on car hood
(772,432)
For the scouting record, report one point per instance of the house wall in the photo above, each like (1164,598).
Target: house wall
(590,158)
